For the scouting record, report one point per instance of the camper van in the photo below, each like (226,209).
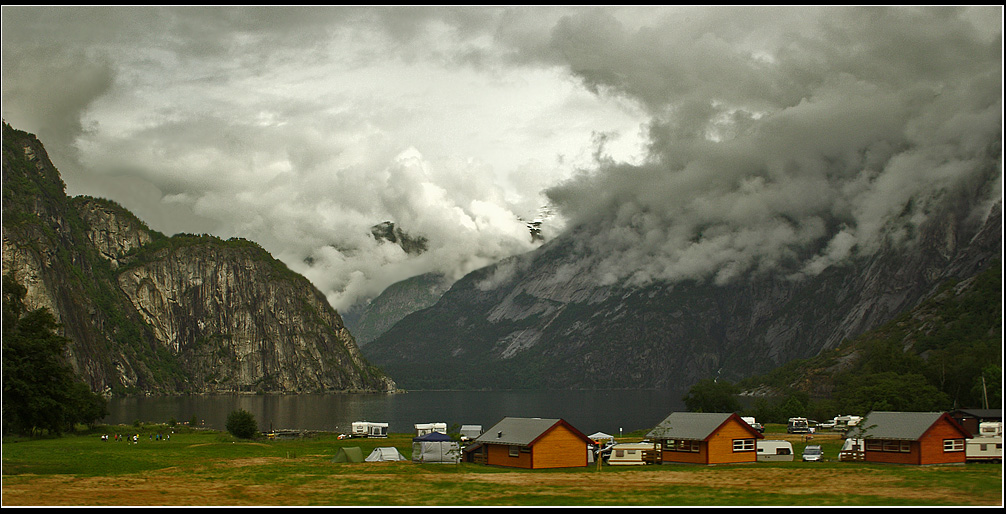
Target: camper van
(798,425)
(987,445)
(369,430)
(774,450)
(629,453)
(433,427)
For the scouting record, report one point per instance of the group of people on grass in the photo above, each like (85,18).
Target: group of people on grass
(135,438)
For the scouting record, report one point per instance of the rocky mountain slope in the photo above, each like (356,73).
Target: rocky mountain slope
(540,320)
(150,314)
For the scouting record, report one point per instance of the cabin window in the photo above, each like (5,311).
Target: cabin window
(619,453)
(1000,446)
(515,451)
(782,451)
(526,449)
(954,445)
(747,444)
(873,445)
(684,445)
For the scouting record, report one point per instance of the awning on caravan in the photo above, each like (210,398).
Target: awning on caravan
(385,454)
(599,436)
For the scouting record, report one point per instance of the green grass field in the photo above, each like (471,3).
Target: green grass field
(210,468)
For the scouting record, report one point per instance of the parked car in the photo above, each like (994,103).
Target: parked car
(758,427)
(812,453)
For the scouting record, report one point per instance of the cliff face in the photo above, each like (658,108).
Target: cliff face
(147,313)
(539,320)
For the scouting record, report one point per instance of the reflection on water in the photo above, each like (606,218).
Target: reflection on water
(588,410)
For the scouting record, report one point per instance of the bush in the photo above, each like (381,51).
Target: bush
(241,424)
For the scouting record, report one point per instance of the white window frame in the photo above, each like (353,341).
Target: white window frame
(954,445)
(514,451)
(744,445)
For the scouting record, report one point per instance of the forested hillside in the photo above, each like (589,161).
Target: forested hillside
(944,354)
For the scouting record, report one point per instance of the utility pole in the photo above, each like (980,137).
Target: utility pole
(986,404)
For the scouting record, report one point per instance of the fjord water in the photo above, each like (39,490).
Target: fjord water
(587,410)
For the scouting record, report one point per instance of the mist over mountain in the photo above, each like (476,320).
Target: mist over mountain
(799,187)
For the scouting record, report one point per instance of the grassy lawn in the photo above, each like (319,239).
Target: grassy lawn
(209,468)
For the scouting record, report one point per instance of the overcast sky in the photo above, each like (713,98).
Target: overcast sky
(684,142)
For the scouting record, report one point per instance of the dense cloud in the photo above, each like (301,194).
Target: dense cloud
(681,142)
(790,150)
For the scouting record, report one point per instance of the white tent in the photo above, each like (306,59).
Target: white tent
(599,436)
(385,454)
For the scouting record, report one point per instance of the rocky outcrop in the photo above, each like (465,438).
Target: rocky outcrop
(150,314)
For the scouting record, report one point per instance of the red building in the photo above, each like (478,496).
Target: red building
(911,438)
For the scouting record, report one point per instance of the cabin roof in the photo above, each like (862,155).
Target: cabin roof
(985,414)
(523,431)
(694,426)
(901,425)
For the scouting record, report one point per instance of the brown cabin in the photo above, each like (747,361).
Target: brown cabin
(531,443)
(912,438)
(705,438)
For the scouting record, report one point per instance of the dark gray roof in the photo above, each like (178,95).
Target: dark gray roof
(988,414)
(516,431)
(688,426)
(896,425)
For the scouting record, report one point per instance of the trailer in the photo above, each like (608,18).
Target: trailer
(630,453)
(987,445)
(369,430)
(853,450)
(774,450)
(433,427)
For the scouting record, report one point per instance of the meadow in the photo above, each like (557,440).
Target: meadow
(212,468)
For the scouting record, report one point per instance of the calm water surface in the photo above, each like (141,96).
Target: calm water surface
(588,410)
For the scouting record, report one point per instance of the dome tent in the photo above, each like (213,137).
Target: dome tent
(385,454)
(435,448)
(348,455)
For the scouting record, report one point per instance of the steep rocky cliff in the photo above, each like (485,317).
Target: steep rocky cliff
(147,313)
(541,320)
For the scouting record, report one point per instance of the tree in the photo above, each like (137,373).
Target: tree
(40,391)
(241,424)
(711,396)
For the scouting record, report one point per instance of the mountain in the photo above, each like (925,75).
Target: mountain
(947,350)
(397,301)
(146,313)
(541,321)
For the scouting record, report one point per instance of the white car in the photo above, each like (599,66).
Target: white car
(812,453)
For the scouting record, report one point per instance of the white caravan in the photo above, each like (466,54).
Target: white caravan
(629,453)
(988,445)
(433,427)
(369,429)
(774,450)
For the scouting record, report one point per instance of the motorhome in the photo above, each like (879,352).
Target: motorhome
(630,453)
(369,429)
(774,450)
(433,427)
(840,423)
(798,425)
(987,445)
